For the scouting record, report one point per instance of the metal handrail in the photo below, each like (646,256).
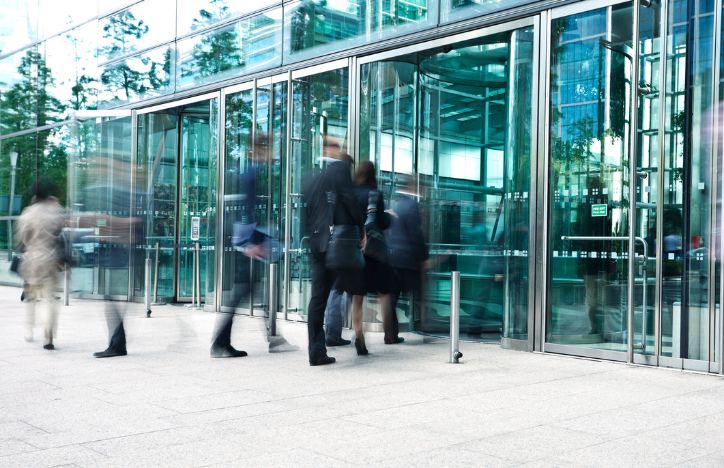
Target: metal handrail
(644,303)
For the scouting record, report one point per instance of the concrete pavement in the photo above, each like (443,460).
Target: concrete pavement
(168,404)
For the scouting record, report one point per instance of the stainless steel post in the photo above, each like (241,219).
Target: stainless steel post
(455,353)
(273,300)
(147,283)
(66,285)
(198,275)
(155,275)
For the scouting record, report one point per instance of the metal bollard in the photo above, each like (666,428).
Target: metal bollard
(198,275)
(66,285)
(147,295)
(273,302)
(455,353)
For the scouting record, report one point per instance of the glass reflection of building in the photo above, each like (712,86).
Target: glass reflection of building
(567,159)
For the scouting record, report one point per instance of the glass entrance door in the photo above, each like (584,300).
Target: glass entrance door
(177,150)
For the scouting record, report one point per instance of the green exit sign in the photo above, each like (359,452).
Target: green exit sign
(599,210)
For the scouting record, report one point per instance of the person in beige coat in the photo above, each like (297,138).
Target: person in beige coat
(38,231)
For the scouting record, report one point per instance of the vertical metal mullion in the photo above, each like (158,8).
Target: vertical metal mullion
(177,194)
(714,184)
(663,70)
(132,207)
(287,194)
(540,218)
(220,215)
(254,109)
(633,139)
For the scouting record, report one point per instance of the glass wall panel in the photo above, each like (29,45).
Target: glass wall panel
(18,24)
(316,27)
(319,105)
(138,27)
(146,75)
(589,179)
(19,90)
(250,44)
(56,16)
(72,81)
(193,15)
(460,118)
(687,171)
(453,10)
(16,185)
(100,173)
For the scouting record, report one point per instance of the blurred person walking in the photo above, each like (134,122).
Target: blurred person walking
(334,316)
(377,274)
(407,253)
(330,202)
(39,233)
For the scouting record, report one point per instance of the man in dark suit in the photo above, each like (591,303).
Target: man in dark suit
(407,253)
(334,182)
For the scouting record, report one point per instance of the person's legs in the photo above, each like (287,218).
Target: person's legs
(322,280)
(221,343)
(116,332)
(51,319)
(357,315)
(334,318)
(30,299)
(390,324)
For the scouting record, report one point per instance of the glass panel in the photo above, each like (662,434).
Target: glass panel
(589,179)
(73,84)
(249,44)
(18,24)
(453,10)
(687,166)
(237,189)
(199,14)
(136,28)
(145,75)
(198,197)
(157,158)
(315,27)
(320,105)
(19,90)
(460,117)
(100,175)
(59,16)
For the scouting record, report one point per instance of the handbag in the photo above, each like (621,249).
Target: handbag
(375,245)
(343,248)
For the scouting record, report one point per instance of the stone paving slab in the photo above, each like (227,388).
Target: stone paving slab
(168,404)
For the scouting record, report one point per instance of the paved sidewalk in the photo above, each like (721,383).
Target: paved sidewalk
(168,404)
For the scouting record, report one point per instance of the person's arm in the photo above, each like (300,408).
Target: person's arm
(383,218)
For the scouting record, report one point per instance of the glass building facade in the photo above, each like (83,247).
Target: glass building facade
(568,153)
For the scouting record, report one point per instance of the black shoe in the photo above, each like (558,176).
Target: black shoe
(334,341)
(323,361)
(110,353)
(361,349)
(228,351)
(49,346)
(397,340)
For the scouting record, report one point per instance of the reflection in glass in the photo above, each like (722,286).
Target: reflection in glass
(247,45)
(459,116)
(193,15)
(453,10)
(58,16)
(313,27)
(18,24)
(589,179)
(135,28)
(145,75)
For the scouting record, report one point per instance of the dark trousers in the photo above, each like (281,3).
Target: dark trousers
(322,281)
(114,320)
(240,292)
(404,281)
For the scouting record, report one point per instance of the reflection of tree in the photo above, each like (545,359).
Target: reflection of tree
(303,22)
(217,51)
(121,31)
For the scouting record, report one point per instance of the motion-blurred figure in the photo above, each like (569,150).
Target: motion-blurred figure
(334,315)
(407,252)
(38,231)
(377,275)
(335,180)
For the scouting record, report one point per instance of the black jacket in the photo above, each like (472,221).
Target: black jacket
(335,181)
(406,246)
(362,194)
